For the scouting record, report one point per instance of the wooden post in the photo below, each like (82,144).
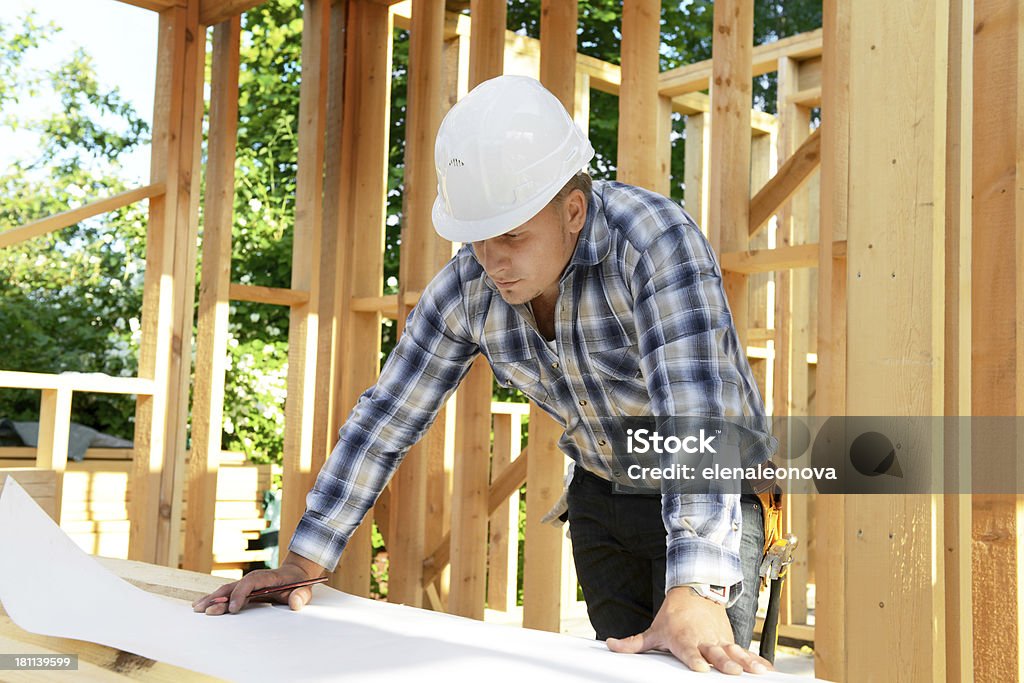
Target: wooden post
(998,339)
(469,493)
(302,323)
(503,536)
(424,252)
(54,431)
(473,423)
(640,109)
(729,197)
(830,624)
(167,301)
(212,334)
(542,554)
(698,153)
(365,159)
(892,580)
(958,518)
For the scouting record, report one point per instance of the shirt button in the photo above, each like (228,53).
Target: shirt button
(602,442)
(508,383)
(554,365)
(583,402)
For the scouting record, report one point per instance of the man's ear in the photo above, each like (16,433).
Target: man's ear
(574,210)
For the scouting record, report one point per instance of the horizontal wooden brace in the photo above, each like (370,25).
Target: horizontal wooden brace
(780,258)
(796,170)
(215,11)
(386,305)
(811,97)
(93,382)
(258,294)
(697,76)
(507,483)
(65,218)
(155,5)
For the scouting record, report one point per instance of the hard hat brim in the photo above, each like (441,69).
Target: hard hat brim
(454,230)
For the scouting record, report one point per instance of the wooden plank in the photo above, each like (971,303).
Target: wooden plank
(811,97)
(506,484)
(92,382)
(365,162)
(155,5)
(638,97)
(764,59)
(503,533)
(303,320)
(258,294)
(423,254)
(997,370)
(169,286)
(893,582)
(558,21)
(54,431)
(212,334)
(40,484)
(486,45)
(698,154)
(542,554)
(59,221)
(792,175)
(729,197)
(215,11)
(470,493)
(957,514)
(760,302)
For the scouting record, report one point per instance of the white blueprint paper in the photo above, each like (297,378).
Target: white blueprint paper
(49,586)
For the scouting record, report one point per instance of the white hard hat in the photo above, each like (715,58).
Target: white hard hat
(503,152)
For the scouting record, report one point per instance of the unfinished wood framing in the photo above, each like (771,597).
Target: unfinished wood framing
(503,534)
(303,322)
(542,552)
(168,290)
(212,330)
(638,98)
(364,162)
(729,195)
(423,254)
(997,370)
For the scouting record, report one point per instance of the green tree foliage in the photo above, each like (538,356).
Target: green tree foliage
(70,300)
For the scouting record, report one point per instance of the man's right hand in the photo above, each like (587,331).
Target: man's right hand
(294,568)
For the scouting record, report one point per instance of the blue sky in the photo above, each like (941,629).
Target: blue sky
(122,41)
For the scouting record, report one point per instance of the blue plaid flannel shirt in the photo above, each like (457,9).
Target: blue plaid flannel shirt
(642,328)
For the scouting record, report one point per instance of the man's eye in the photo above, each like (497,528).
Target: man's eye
(514,235)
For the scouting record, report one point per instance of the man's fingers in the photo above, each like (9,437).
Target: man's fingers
(748,660)
(206,601)
(720,659)
(691,657)
(300,597)
(641,642)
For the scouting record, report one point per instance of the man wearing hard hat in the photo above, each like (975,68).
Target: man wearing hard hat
(596,300)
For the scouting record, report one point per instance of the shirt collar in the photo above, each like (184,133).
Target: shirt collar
(594,243)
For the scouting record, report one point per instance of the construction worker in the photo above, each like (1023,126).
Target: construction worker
(596,300)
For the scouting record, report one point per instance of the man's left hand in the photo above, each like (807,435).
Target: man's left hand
(697,632)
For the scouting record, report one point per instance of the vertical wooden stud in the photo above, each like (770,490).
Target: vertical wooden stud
(54,432)
(639,105)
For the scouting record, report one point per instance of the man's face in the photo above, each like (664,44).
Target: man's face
(527,262)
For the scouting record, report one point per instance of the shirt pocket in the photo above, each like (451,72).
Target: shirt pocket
(617,368)
(518,369)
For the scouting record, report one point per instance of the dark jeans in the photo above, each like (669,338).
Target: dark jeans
(618,542)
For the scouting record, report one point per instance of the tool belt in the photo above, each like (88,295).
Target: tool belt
(771,507)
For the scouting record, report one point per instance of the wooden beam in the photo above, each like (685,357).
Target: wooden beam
(811,97)
(503,527)
(169,289)
(365,162)
(423,254)
(729,197)
(303,321)
(638,98)
(70,217)
(764,59)
(777,259)
(487,44)
(277,296)
(54,432)
(510,480)
(894,579)
(997,256)
(791,176)
(155,5)
(542,552)
(91,382)
(212,330)
(215,11)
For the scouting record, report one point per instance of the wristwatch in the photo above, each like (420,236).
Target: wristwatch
(719,594)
